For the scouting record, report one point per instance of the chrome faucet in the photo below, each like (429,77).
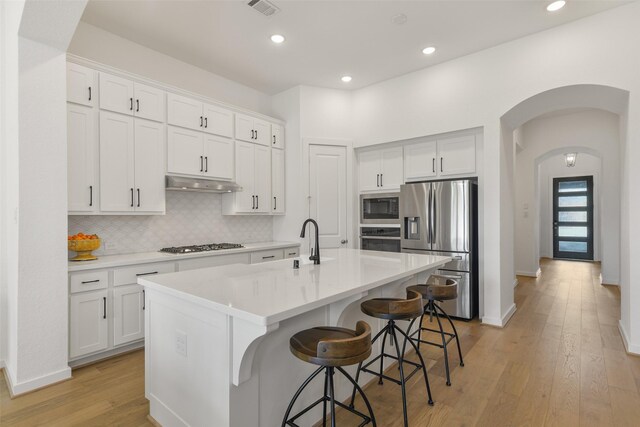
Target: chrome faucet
(315,257)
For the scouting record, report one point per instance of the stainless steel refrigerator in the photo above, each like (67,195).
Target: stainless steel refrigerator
(441,218)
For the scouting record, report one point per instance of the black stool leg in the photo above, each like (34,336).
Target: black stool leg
(383,330)
(424,366)
(404,344)
(332,397)
(400,363)
(384,340)
(444,343)
(324,402)
(455,332)
(295,396)
(420,325)
(364,397)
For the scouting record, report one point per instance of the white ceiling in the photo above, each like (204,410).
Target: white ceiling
(326,39)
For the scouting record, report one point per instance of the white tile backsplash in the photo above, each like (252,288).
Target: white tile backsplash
(191,218)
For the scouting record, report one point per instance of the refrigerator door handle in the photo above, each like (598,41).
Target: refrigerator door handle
(434,208)
(428,222)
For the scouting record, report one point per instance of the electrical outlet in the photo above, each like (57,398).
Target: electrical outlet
(181,343)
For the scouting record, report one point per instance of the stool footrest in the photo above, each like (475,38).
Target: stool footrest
(450,335)
(365,368)
(365,419)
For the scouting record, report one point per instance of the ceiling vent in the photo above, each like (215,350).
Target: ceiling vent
(264,7)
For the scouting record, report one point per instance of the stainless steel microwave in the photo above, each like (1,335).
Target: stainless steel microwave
(380,208)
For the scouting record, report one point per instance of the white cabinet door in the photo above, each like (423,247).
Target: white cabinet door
(245,173)
(149,102)
(369,170)
(457,155)
(117,162)
(87,323)
(391,176)
(184,112)
(277,181)
(218,120)
(81,84)
(277,136)
(218,157)
(262,131)
(116,94)
(184,151)
(420,161)
(262,181)
(149,166)
(82,148)
(128,314)
(244,128)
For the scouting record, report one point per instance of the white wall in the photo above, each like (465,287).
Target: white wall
(591,131)
(101,46)
(478,89)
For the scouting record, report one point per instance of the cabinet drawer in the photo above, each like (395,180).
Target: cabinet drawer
(90,281)
(129,275)
(291,252)
(264,256)
(213,261)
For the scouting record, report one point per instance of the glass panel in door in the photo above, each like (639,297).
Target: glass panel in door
(573,218)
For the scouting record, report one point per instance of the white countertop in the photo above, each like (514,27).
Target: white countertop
(110,261)
(269,292)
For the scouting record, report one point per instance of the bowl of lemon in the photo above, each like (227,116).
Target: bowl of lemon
(83,245)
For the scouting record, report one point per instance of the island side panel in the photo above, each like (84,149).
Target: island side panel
(187,373)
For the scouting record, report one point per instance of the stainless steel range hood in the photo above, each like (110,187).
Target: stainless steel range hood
(177,183)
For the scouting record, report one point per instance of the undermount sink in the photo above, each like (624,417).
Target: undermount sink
(304,259)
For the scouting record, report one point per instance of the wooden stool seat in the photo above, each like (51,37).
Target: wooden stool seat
(438,288)
(394,308)
(332,346)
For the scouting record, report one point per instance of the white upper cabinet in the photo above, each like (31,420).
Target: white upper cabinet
(126,97)
(199,154)
(149,166)
(253,174)
(255,130)
(116,94)
(131,164)
(277,136)
(218,157)
(82,85)
(420,161)
(217,120)
(82,158)
(380,170)
(277,181)
(117,162)
(457,155)
(191,114)
(149,102)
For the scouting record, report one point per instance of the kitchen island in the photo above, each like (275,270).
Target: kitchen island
(217,339)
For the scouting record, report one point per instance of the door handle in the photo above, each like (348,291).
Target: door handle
(146,274)
(90,281)
(89,93)
(252,134)
(144,302)
(377,180)
(206,163)
(91,195)
(274,139)
(344,241)
(205,123)
(275,203)
(256,134)
(257,202)
(441,160)
(253,202)
(433,165)
(137,105)
(104,307)
(138,197)
(131,104)
(201,164)
(201,123)
(132,197)
(381,184)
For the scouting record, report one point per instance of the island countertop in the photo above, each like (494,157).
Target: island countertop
(270,292)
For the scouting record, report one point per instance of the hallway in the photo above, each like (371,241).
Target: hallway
(560,361)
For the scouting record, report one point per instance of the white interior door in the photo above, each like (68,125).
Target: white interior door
(328,193)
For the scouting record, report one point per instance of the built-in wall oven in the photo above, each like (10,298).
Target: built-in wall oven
(385,239)
(380,208)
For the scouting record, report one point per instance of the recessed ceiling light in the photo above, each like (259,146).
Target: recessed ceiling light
(556,5)
(346,79)
(277,38)
(428,50)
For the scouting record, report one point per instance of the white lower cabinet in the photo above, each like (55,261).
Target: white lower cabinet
(88,325)
(128,314)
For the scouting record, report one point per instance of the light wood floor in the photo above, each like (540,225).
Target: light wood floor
(560,361)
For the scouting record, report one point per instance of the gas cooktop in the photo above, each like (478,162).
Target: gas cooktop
(201,248)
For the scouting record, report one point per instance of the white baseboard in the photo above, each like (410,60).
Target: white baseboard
(528,273)
(607,281)
(629,347)
(500,323)
(18,388)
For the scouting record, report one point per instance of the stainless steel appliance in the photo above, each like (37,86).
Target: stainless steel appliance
(201,248)
(385,239)
(380,208)
(201,185)
(441,218)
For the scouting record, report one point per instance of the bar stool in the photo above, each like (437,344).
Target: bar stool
(437,289)
(392,309)
(331,348)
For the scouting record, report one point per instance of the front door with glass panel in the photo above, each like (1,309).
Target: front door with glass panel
(573,217)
